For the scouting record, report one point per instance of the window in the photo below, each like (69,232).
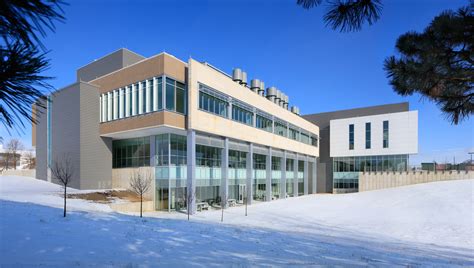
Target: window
(175,96)
(385,134)
(162,150)
(178,149)
(280,129)
(170,94)
(131,152)
(242,115)
(259,161)
(129,101)
(276,163)
(263,123)
(237,159)
(208,156)
(136,99)
(150,94)
(314,141)
(212,104)
(294,134)
(304,138)
(351,137)
(367,135)
(160,93)
(143,96)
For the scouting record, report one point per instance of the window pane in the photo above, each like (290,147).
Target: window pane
(170,97)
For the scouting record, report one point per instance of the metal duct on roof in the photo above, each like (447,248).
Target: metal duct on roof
(237,75)
(261,91)
(271,93)
(255,85)
(244,78)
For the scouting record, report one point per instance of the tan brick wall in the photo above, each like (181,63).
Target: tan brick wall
(379,180)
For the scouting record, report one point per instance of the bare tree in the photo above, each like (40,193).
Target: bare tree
(13,148)
(140,183)
(189,200)
(30,160)
(62,170)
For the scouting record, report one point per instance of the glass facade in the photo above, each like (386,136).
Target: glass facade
(237,175)
(143,97)
(276,177)
(170,172)
(131,153)
(263,123)
(242,115)
(214,102)
(260,175)
(346,169)
(208,175)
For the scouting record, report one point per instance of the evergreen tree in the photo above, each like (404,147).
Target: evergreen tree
(438,64)
(22,22)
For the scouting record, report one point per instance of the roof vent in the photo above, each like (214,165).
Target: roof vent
(277,97)
(261,90)
(244,79)
(271,93)
(285,105)
(295,110)
(255,85)
(237,75)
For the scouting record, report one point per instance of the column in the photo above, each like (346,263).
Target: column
(250,174)
(305,176)
(268,187)
(283,176)
(315,176)
(152,168)
(295,175)
(191,170)
(225,172)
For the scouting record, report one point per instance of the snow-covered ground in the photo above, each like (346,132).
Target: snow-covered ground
(420,225)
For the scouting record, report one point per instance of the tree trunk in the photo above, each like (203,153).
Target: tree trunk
(64,201)
(141,205)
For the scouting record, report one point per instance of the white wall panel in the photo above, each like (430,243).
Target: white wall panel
(403,135)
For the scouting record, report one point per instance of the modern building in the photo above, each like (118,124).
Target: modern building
(199,132)
(372,139)
(205,134)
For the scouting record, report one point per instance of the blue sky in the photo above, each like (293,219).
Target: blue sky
(275,40)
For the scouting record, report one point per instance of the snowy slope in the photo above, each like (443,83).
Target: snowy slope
(420,225)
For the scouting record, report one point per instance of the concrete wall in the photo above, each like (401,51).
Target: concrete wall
(95,151)
(379,180)
(403,135)
(107,64)
(206,122)
(19,172)
(133,206)
(121,178)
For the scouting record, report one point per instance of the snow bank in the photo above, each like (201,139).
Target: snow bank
(429,225)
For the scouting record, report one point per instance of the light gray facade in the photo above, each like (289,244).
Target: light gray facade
(74,131)
(107,64)
(324,167)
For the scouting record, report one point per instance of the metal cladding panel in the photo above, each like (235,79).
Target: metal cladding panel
(277,153)
(238,146)
(290,155)
(260,150)
(209,141)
